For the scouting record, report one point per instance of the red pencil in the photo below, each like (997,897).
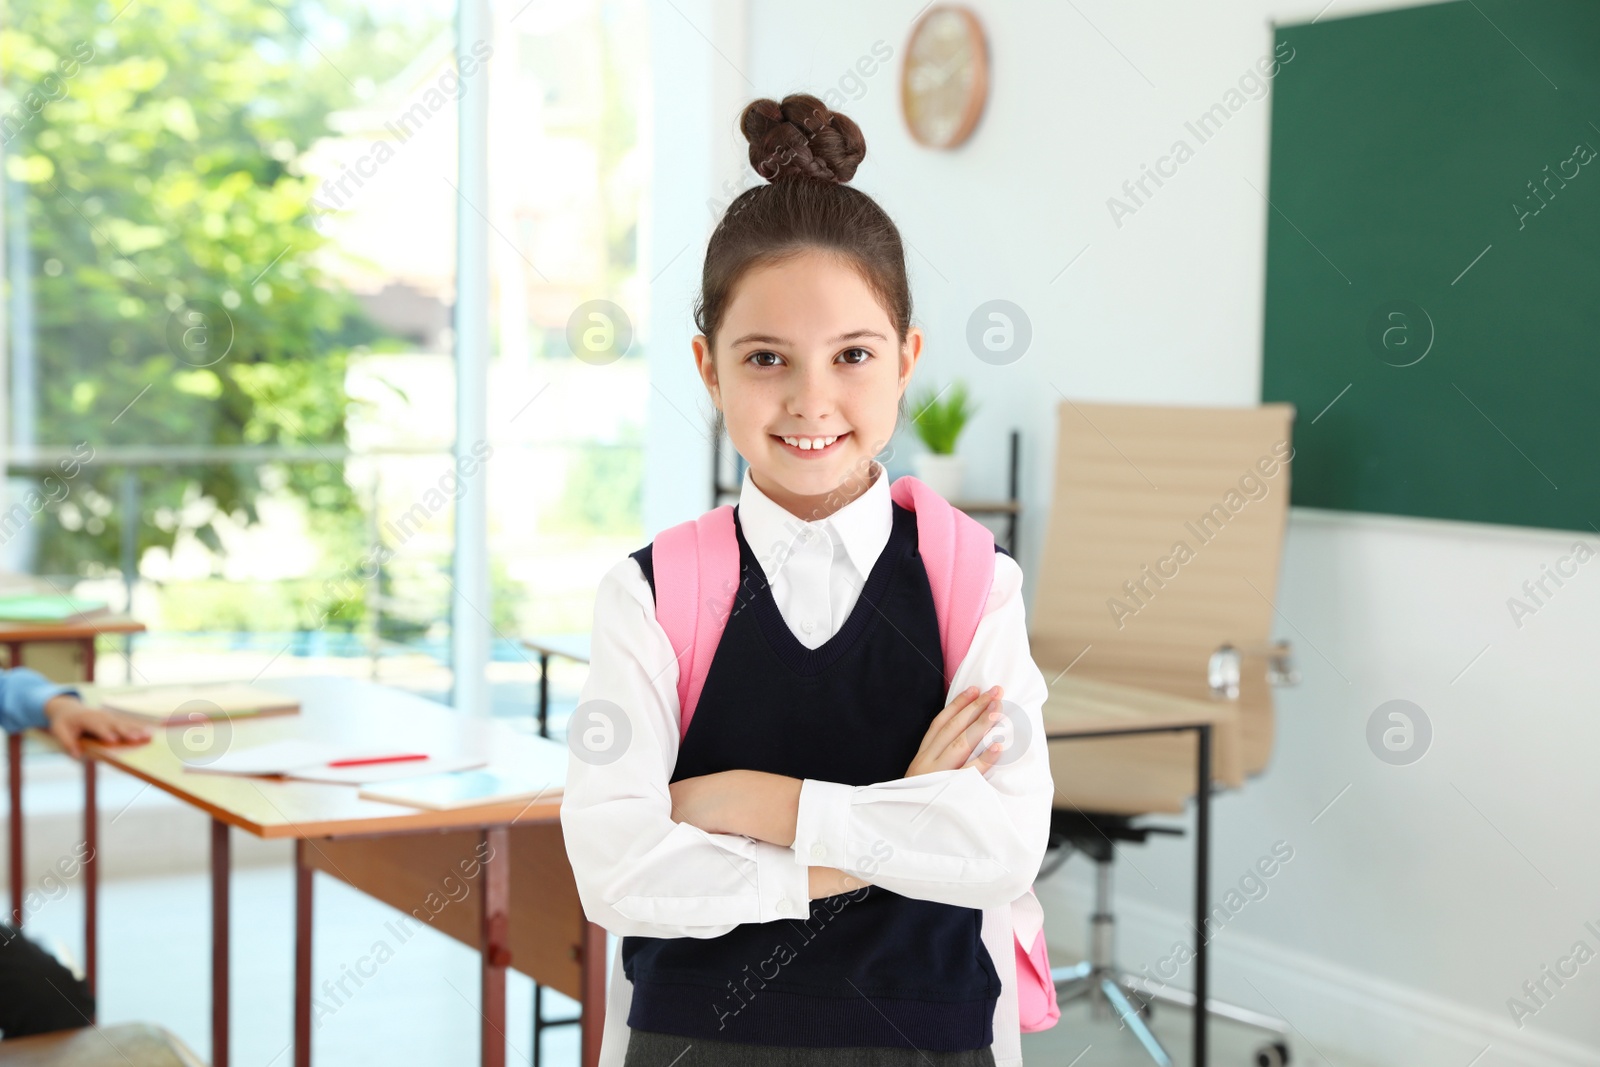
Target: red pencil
(377,759)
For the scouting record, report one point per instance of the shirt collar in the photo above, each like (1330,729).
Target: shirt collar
(861,526)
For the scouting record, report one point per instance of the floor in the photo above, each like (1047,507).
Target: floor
(1079,1040)
(419,1005)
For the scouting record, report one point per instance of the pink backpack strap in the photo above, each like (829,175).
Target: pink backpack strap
(958,553)
(697,574)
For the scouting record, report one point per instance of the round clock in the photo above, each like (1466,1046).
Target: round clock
(945,79)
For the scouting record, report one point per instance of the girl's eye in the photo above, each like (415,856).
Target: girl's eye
(772,359)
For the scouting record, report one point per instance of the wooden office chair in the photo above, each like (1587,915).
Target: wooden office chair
(1159,570)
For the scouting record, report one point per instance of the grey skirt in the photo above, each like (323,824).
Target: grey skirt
(646,1048)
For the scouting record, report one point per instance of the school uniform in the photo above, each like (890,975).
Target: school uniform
(829,670)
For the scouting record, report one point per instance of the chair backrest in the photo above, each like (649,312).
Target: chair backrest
(1163,543)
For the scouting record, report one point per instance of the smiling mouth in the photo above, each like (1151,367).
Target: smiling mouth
(811,446)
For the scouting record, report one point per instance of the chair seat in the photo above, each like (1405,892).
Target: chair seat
(127,1045)
(1093,833)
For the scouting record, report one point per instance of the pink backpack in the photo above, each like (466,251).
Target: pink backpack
(697,575)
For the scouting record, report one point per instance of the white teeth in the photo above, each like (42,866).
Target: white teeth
(807,444)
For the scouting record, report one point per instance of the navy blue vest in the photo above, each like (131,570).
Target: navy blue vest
(869,967)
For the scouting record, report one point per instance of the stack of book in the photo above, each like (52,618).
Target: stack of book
(48,607)
(183,703)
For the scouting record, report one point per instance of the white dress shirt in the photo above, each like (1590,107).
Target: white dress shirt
(957,837)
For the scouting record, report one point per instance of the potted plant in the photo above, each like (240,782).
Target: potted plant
(939,417)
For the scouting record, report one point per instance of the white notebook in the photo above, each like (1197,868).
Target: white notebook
(274,757)
(386,772)
(308,760)
(463,789)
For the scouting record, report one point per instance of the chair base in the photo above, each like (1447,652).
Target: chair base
(1110,990)
(1109,993)
(1129,998)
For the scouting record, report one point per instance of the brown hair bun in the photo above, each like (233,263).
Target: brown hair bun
(801,139)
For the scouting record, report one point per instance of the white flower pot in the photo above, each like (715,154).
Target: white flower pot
(942,474)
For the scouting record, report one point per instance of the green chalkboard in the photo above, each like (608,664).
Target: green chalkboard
(1433,261)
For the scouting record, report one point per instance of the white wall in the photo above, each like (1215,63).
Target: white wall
(1429,892)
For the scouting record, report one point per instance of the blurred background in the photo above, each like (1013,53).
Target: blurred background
(231,253)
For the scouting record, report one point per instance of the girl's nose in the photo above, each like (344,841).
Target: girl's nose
(812,394)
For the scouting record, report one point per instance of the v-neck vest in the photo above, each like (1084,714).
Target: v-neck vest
(869,967)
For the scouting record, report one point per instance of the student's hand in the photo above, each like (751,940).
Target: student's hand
(956,730)
(831,881)
(698,801)
(756,804)
(70,719)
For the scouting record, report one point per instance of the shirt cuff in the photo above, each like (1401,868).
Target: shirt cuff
(37,698)
(784,889)
(822,824)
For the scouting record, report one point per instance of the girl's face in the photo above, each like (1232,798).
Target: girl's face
(808,373)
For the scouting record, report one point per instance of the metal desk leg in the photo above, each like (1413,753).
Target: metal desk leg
(1202,890)
(496,920)
(91,877)
(302,956)
(544,694)
(219,943)
(91,841)
(593,983)
(14,779)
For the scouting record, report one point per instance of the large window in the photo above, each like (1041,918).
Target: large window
(230,235)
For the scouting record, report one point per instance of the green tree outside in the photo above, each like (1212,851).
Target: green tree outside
(177,292)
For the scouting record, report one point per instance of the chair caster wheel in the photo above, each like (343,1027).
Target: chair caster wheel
(1273,1055)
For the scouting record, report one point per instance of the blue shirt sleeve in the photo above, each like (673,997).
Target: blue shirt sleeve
(23,695)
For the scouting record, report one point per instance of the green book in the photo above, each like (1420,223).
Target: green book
(46,608)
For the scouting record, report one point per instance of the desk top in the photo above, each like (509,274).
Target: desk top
(339,710)
(569,646)
(1079,706)
(1135,775)
(69,631)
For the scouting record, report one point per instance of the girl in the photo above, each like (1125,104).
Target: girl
(819,871)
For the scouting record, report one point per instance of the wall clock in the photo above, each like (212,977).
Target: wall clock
(945,79)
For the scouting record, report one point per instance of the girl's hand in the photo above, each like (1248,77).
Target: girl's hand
(831,881)
(752,803)
(954,731)
(70,720)
(698,801)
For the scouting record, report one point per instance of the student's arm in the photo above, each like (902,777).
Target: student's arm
(27,700)
(23,695)
(958,836)
(638,871)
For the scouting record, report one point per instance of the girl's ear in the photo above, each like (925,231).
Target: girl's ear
(910,352)
(705,363)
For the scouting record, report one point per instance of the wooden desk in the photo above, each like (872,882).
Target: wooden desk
(15,637)
(1081,708)
(398,854)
